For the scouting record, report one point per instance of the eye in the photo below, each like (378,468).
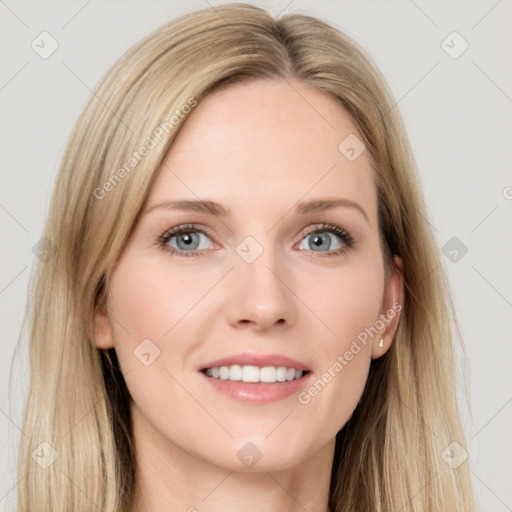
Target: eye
(186,240)
(321,240)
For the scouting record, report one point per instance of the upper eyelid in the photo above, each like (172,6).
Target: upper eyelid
(197,227)
(185,228)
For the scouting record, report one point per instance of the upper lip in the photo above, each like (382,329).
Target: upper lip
(261,360)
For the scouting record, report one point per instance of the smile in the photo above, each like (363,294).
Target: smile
(254,374)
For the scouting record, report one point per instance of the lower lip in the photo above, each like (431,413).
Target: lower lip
(259,392)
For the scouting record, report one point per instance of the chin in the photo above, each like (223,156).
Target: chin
(257,454)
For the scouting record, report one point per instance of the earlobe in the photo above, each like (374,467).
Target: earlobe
(103,338)
(392,305)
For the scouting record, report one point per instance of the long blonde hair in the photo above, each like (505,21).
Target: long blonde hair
(389,456)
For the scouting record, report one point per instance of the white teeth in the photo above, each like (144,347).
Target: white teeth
(254,374)
(281,373)
(268,374)
(250,374)
(235,372)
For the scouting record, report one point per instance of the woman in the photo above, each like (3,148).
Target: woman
(244,306)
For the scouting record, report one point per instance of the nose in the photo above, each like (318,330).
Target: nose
(260,294)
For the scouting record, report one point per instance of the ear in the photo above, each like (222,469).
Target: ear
(392,304)
(103,338)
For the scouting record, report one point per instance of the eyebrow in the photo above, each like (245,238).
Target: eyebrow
(218,210)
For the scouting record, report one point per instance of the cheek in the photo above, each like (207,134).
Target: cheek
(349,307)
(147,302)
(349,304)
(149,311)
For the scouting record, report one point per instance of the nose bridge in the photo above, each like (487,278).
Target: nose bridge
(259,291)
(257,265)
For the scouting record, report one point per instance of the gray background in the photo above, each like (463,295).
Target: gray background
(458,112)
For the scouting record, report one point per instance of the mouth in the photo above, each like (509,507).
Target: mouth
(256,378)
(255,374)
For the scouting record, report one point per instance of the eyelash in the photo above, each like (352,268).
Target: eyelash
(163,240)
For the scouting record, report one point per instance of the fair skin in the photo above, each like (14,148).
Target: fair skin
(257,148)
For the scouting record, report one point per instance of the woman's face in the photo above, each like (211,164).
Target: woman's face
(270,275)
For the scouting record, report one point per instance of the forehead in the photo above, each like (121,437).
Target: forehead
(265,143)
